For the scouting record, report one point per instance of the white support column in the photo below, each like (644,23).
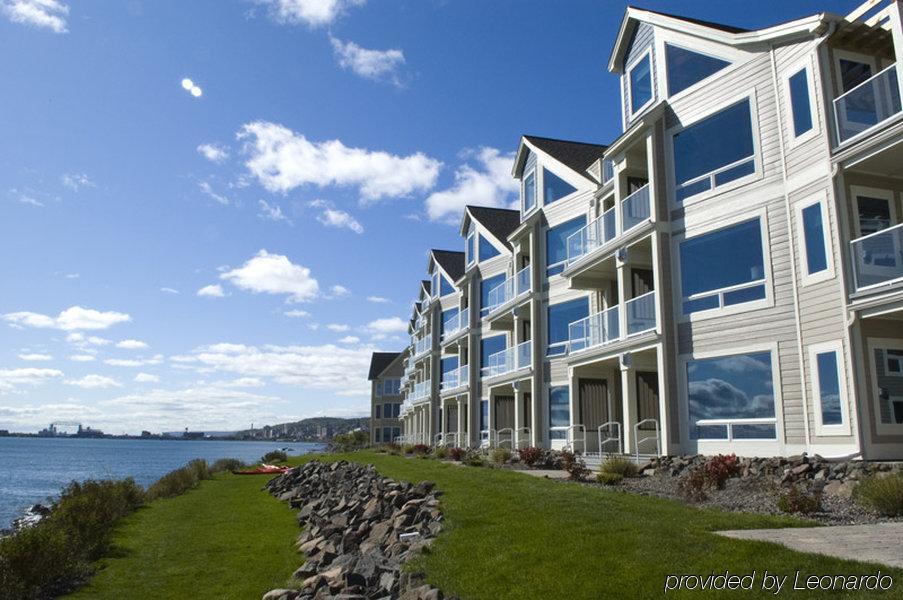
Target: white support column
(537,340)
(460,417)
(518,413)
(664,416)
(623,275)
(896,26)
(652,174)
(620,190)
(628,399)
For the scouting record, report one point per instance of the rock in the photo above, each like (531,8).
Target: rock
(281,595)
(801,469)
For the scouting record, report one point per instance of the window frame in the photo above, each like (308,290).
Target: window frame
(523,192)
(758,171)
(878,193)
(808,66)
(470,247)
(566,344)
(545,168)
(884,344)
(746,446)
(887,371)
(631,113)
(766,302)
(814,351)
(558,442)
(828,273)
(842,54)
(545,243)
(667,80)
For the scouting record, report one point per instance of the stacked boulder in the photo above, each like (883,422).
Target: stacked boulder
(359,529)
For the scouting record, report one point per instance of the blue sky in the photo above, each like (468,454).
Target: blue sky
(331,144)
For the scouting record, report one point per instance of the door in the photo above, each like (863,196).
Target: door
(858,103)
(593,410)
(504,412)
(647,398)
(527,413)
(879,258)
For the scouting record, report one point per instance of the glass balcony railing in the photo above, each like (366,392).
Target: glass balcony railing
(868,104)
(635,208)
(878,258)
(511,288)
(456,323)
(641,313)
(423,345)
(509,360)
(605,327)
(421,390)
(456,378)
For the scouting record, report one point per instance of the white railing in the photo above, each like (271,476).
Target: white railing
(574,435)
(596,234)
(456,324)
(513,287)
(455,378)
(878,258)
(717,177)
(509,360)
(867,105)
(635,209)
(521,435)
(595,330)
(641,313)
(729,425)
(637,441)
(504,437)
(421,390)
(613,434)
(437,439)
(451,439)
(423,345)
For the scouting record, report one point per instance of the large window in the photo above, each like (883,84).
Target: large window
(435,285)
(485,287)
(557,244)
(554,187)
(559,411)
(640,84)
(379,411)
(469,246)
(391,387)
(530,191)
(723,268)
(800,102)
(490,346)
(731,397)
(560,317)
(487,250)
(816,251)
(484,415)
(448,365)
(715,151)
(687,68)
(827,387)
(449,318)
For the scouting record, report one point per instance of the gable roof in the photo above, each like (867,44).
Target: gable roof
(426,284)
(577,156)
(711,24)
(451,261)
(379,362)
(500,222)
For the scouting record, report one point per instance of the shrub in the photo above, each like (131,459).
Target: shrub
(799,500)
(721,468)
(180,480)
(408,449)
(609,478)
(274,456)
(348,442)
(456,454)
(692,486)
(393,449)
(420,449)
(530,455)
(882,494)
(500,456)
(225,465)
(617,465)
(441,452)
(474,460)
(574,466)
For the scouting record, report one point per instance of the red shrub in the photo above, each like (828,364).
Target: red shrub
(457,454)
(530,455)
(721,468)
(421,449)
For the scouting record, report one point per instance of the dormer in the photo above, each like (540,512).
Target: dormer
(445,268)
(553,170)
(485,231)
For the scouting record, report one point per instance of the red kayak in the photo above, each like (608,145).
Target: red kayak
(263,470)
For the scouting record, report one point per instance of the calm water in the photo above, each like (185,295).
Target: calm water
(31,469)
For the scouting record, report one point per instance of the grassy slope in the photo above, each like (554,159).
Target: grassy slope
(509,535)
(225,539)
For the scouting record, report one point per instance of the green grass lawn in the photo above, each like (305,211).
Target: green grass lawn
(225,539)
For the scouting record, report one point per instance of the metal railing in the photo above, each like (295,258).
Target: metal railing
(509,360)
(729,425)
(641,313)
(867,105)
(505,436)
(451,439)
(596,234)
(455,324)
(525,431)
(438,439)
(878,258)
(573,435)
(422,390)
(637,441)
(455,378)
(635,209)
(513,287)
(613,435)
(717,177)
(597,329)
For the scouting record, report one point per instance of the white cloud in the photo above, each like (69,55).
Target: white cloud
(338,327)
(211,291)
(169,290)
(339,291)
(271,212)
(208,190)
(314,13)
(332,217)
(82,341)
(490,184)
(146,378)
(350,339)
(71,275)
(192,88)
(283,160)
(131,345)
(216,153)
(297,314)
(77,181)
(35,357)
(387,326)
(81,358)
(378,300)
(73,318)
(242,382)
(370,64)
(27,199)
(10,379)
(93,381)
(274,274)
(48,14)
(134,362)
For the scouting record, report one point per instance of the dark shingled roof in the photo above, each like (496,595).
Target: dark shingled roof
(426,285)
(500,222)
(576,155)
(451,261)
(721,26)
(379,361)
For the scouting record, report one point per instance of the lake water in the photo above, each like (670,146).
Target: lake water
(31,469)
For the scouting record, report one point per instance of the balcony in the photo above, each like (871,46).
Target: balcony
(456,324)
(635,209)
(454,379)
(509,360)
(867,106)
(422,346)
(422,391)
(878,258)
(604,327)
(512,288)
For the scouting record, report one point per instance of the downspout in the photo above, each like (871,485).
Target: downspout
(789,216)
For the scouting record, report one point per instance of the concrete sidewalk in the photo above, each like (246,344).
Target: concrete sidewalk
(881,543)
